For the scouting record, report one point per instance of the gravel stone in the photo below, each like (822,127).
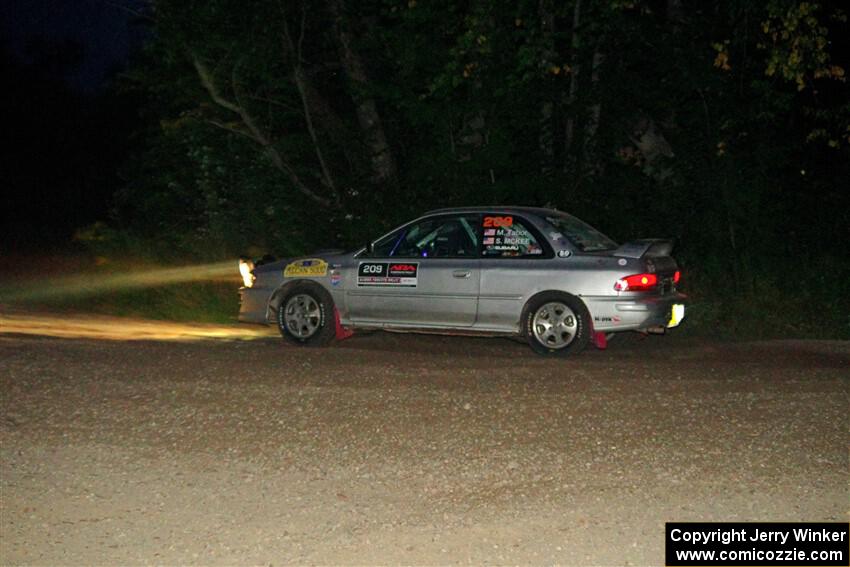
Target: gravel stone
(401,449)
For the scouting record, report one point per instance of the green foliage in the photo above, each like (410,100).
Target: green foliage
(797,38)
(724,125)
(191,302)
(803,301)
(114,282)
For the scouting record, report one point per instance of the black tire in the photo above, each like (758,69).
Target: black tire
(305,316)
(556,324)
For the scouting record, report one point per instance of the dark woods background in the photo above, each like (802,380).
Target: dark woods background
(284,126)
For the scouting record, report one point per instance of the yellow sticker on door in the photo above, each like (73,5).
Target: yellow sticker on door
(310,268)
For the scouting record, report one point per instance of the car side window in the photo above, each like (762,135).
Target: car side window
(448,236)
(506,236)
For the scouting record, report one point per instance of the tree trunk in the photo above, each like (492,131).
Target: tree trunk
(675,13)
(546,140)
(252,130)
(292,53)
(589,146)
(384,169)
(334,127)
(327,178)
(569,133)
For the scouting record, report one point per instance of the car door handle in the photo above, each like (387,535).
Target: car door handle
(461,273)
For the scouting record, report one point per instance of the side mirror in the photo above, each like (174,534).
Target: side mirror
(370,248)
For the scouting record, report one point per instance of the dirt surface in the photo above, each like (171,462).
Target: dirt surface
(105,327)
(407,449)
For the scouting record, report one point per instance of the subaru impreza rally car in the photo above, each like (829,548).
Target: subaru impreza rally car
(537,273)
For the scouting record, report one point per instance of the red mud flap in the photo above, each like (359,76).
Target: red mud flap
(341,332)
(600,340)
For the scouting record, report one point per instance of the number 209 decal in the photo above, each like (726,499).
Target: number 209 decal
(496,222)
(397,274)
(373,268)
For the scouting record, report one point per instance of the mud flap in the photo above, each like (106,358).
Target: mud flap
(600,340)
(341,332)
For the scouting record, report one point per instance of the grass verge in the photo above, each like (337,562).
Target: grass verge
(84,283)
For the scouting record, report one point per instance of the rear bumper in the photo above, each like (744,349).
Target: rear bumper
(611,314)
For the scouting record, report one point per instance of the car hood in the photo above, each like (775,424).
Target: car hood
(335,256)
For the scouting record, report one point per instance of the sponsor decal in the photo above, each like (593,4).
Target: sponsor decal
(564,253)
(311,268)
(336,278)
(504,238)
(404,269)
(518,240)
(622,261)
(392,274)
(556,235)
(613,319)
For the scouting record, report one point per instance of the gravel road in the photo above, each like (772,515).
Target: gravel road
(408,449)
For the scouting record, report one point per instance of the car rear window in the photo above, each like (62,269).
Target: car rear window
(582,235)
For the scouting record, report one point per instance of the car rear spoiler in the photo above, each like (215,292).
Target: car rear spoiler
(649,247)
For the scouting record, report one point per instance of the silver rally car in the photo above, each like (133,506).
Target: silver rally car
(536,273)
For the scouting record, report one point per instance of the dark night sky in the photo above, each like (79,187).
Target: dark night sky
(104,30)
(69,132)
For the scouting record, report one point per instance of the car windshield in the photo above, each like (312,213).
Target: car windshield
(584,236)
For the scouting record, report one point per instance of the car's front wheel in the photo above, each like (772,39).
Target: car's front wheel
(305,316)
(557,324)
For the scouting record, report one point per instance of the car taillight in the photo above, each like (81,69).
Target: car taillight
(637,282)
(677,276)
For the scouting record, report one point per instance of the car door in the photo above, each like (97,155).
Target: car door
(425,274)
(515,260)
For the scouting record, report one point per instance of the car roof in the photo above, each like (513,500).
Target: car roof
(537,211)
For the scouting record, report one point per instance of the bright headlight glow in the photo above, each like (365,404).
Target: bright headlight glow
(245,268)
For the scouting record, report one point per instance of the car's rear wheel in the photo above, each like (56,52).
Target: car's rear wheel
(305,316)
(556,324)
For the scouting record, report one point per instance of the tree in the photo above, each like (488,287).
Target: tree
(345,116)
